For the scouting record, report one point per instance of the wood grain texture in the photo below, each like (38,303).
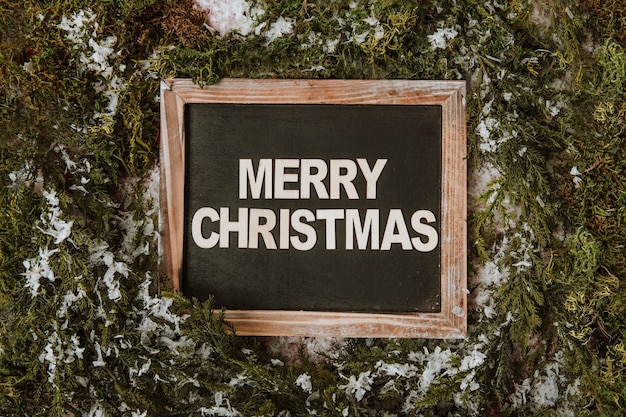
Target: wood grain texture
(451,322)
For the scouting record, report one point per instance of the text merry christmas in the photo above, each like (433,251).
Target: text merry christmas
(305,179)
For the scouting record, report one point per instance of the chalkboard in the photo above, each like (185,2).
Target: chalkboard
(318,207)
(218,136)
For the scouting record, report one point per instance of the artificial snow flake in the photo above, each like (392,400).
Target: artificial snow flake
(100,361)
(330,46)
(51,354)
(60,230)
(469,382)
(359,386)
(436,363)
(545,392)
(113,285)
(76,25)
(405,370)
(281,27)
(525,237)
(277,362)
(184,346)
(156,306)
(101,256)
(472,360)
(372,21)
(484,129)
(553,108)
(98,56)
(360,37)
(226,16)
(69,299)
(37,268)
(144,368)
(576,176)
(219,409)
(439,39)
(22,177)
(57,228)
(315,68)
(304,381)
(97,411)
(74,350)
(57,352)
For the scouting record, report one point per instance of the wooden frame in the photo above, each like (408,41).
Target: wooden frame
(451,321)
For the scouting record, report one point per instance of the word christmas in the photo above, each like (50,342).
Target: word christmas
(295,179)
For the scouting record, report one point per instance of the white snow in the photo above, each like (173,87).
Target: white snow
(439,39)
(473,359)
(100,360)
(22,177)
(37,268)
(69,299)
(330,46)
(576,174)
(97,58)
(76,25)
(96,55)
(281,27)
(304,381)
(405,370)
(436,363)
(358,387)
(57,228)
(58,352)
(97,411)
(317,349)
(218,409)
(226,16)
(554,108)
(484,129)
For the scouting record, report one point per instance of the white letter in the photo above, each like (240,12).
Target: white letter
(371,175)
(424,229)
(196,227)
(396,220)
(282,177)
(283,240)
(304,228)
(265,229)
(330,215)
(370,227)
(307,178)
(337,178)
(240,226)
(246,176)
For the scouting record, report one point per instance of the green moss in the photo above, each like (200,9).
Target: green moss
(545,95)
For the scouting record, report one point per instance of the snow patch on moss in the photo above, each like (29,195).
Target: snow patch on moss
(227,16)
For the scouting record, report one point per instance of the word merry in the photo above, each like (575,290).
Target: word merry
(272,179)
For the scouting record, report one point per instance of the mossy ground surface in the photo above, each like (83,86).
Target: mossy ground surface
(84,329)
